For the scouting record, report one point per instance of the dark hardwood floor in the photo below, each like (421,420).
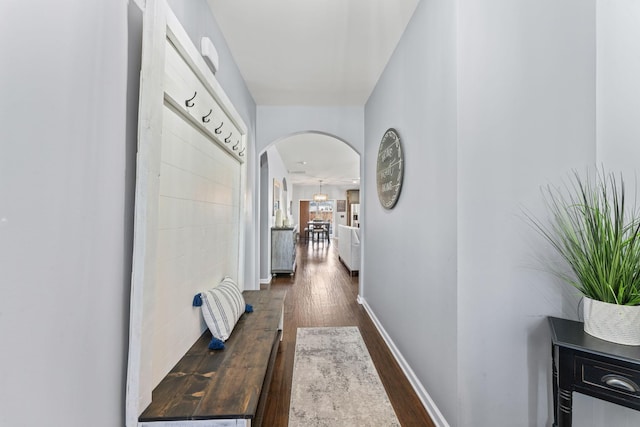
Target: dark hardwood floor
(322,293)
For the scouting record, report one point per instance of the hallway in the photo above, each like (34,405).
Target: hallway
(322,293)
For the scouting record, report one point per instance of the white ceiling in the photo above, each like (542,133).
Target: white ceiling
(312,157)
(312,53)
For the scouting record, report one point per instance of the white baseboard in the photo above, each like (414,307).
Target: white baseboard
(424,397)
(265,281)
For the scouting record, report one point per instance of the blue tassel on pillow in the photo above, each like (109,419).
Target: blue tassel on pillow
(197,300)
(216,344)
(248,308)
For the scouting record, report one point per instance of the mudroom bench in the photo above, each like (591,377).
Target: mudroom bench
(216,388)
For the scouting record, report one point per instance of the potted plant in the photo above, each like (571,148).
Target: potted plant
(595,230)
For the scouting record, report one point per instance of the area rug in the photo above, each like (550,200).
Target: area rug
(335,382)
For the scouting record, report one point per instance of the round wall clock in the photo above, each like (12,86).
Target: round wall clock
(389,169)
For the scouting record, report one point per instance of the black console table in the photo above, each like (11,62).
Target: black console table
(591,366)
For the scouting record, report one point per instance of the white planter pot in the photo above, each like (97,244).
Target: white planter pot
(611,322)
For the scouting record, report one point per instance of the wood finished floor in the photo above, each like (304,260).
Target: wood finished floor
(322,293)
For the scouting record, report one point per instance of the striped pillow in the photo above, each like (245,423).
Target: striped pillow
(222,306)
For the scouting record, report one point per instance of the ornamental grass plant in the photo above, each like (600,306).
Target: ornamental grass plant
(598,234)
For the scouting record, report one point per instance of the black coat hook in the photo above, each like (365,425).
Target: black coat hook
(189,102)
(206,119)
(241,153)
(235,147)
(217,130)
(228,139)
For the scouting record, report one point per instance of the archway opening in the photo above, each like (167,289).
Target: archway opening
(306,161)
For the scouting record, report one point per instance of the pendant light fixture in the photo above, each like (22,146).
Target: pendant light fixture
(320,197)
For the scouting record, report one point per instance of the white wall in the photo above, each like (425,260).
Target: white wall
(345,123)
(520,113)
(526,116)
(66,152)
(618,85)
(409,267)
(276,170)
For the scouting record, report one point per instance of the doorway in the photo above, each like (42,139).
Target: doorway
(304,213)
(304,159)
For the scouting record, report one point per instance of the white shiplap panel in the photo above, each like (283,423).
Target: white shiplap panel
(197,236)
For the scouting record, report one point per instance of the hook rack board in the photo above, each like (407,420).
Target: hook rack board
(189,96)
(189,201)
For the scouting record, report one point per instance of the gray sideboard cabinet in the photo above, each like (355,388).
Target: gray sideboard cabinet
(283,250)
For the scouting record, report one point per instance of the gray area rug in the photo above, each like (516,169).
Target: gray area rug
(335,382)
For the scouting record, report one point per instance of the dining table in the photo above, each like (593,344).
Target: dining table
(319,229)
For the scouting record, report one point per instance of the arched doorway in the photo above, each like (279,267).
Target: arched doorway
(303,160)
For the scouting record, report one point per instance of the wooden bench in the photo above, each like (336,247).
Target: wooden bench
(229,387)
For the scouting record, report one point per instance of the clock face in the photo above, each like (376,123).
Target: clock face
(389,169)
